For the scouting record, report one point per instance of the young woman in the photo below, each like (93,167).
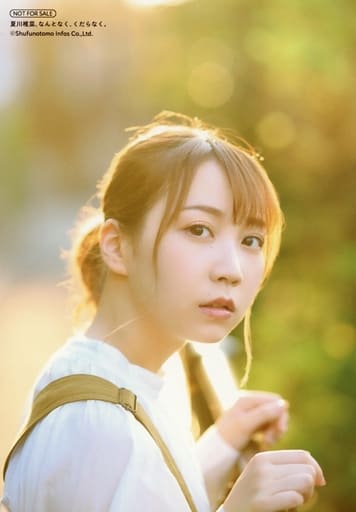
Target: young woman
(187,232)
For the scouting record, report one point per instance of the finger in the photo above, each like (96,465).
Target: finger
(300,482)
(283,470)
(253,398)
(283,420)
(271,436)
(275,430)
(319,476)
(286,500)
(295,457)
(264,414)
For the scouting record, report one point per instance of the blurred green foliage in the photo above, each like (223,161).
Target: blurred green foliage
(282,75)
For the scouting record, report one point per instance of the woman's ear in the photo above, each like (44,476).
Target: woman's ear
(113,245)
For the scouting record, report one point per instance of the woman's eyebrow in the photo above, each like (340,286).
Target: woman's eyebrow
(250,221)
(205,208)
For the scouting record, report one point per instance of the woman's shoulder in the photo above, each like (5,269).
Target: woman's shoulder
(81,425)
(78,449)
(83,422)
(87,432)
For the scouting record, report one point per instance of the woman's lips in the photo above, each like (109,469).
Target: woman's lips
(216,312)
(219,308)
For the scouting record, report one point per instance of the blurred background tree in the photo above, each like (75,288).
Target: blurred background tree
(280,74)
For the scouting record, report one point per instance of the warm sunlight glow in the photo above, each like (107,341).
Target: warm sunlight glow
(153,3)
(219,372)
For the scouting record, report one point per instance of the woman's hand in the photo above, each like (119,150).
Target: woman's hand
(255,412)
(275,481)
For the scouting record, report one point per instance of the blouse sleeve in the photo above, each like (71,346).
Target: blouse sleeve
(93,457)
(217,459)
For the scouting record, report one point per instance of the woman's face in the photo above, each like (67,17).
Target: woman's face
(209,269)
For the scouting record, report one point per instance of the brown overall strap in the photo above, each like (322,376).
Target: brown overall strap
(74,388)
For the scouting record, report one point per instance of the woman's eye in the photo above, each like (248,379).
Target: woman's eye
(199,230)
(255,242)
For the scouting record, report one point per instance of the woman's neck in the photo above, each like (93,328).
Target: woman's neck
(135,335)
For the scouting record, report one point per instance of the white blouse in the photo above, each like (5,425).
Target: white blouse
(93,456)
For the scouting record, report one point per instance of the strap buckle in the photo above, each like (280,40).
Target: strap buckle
(127,399)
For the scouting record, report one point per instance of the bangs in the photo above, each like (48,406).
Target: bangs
(187,158)
(254,199)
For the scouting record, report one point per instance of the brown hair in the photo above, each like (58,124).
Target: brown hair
(161,158)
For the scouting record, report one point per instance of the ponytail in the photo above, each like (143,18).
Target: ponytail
(86,267)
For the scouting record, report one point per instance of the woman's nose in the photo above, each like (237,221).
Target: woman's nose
(228,268)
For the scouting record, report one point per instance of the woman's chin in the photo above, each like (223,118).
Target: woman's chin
(210,337)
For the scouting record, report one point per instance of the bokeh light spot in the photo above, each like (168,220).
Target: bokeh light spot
(210,85)
(260,45)
(211,49)
(276,130)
